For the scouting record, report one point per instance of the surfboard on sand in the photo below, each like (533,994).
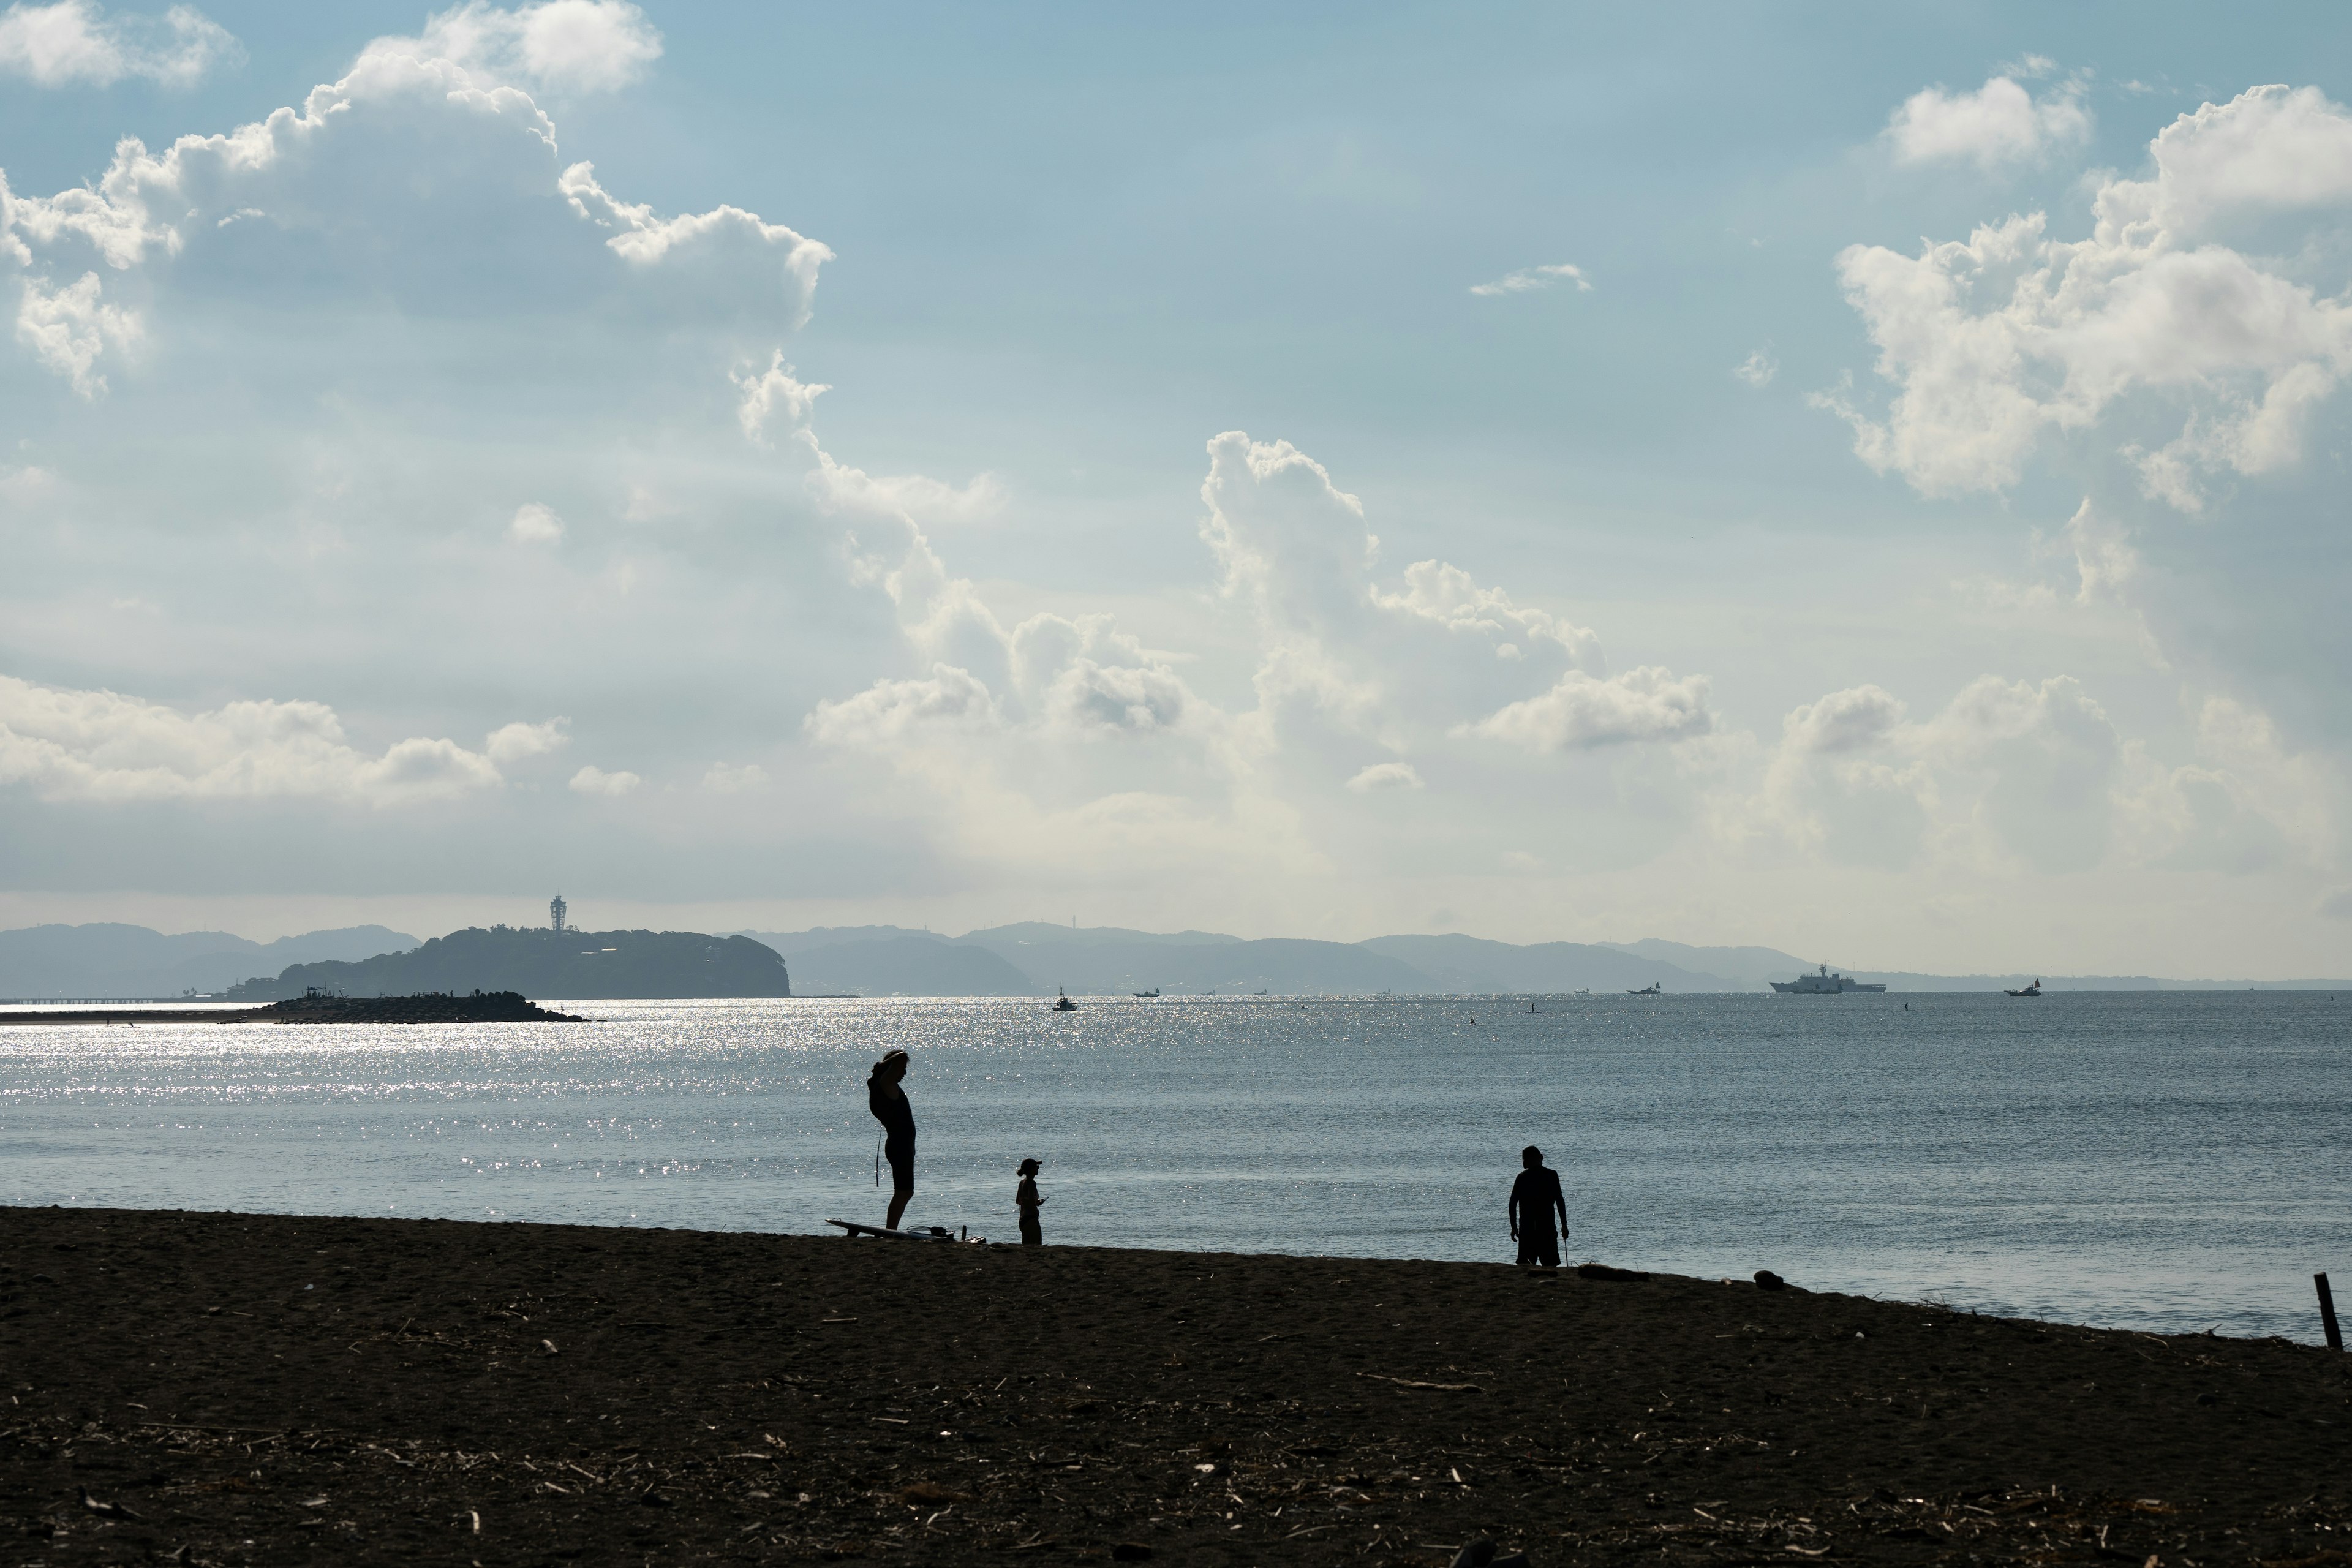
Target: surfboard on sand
(932,1233)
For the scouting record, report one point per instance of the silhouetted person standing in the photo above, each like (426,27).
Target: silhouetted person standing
(887,1101)
(1534,1198)
(1029,1200)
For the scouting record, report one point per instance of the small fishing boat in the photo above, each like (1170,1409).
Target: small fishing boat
(2033,990)
(1153,992)
(1062,1003)
(1649,990)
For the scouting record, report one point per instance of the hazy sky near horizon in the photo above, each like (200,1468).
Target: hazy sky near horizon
(1867,480)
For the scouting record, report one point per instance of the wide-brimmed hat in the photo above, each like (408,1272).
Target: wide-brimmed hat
(1030,1167)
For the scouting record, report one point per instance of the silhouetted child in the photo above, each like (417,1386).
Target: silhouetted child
(1534,1198)
(1030,1200)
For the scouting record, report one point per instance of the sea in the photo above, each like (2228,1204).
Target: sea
(2163,1161)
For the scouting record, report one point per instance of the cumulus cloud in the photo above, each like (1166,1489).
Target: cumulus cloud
(596,781)
(2106,563)
(1994,341)
(2000,122)
(1385,777)
(1843,721)
(1399,661)
(725,253)
(889,710)
(424,170)
(69,328)
(520,742)
(535,524)
(66,744)
(773,393)
(76,42)
(562,45)
(1581,712)
(1529,279)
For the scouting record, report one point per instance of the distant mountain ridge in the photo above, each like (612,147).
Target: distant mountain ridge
(1033,958)
(1026,959)
(1037,957)
(114,959)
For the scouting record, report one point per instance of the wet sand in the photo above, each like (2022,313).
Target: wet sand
(238,1389)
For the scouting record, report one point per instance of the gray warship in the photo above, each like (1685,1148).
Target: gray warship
(1822,985)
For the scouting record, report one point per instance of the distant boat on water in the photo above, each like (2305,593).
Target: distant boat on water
(1649,990)
(1153,992)
(2033,990)
(1824,983)
(1062,1003)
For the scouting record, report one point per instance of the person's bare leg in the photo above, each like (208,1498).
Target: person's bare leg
(900,1198)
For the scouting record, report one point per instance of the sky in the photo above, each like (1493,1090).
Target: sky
(1863,480)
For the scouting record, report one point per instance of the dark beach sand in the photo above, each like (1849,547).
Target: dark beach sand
(238,1389)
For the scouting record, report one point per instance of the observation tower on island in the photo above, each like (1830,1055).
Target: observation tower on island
(556,910)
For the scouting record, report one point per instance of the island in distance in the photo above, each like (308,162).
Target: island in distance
(537,962)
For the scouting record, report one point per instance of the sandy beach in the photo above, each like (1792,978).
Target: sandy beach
(250,1389)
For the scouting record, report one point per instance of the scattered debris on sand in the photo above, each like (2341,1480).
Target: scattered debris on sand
(241,1390)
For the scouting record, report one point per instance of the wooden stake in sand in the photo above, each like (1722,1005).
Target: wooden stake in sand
(2327,1312)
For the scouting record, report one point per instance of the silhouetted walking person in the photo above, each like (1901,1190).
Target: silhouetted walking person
(1534,1198)
(1029,1200)
(887,1101)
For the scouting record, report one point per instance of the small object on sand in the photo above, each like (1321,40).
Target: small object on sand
(1410,1382)
(935,1233)
(1602,1271)
(1481,1554)
(550,1347)
(112,1510)
(1768,1280)
(2327,1312)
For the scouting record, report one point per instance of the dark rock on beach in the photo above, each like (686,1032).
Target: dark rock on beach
(237,1389)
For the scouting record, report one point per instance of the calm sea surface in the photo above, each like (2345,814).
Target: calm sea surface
(2157,1160)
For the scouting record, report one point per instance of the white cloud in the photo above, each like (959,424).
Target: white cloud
(562,45)
(1993,341)
(1385,777)
(1400,664)
(1087,695)
(774,391)
(418,174)
(1999,122)
(1843,721)
(69,329)
(726,254)
(887,711)
(745,780)
(1757,369)
(1529,279)
(535,524)
(596,781)
(2106,563)
(1581,712)
(76,42)
(66,744)
(518,742)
